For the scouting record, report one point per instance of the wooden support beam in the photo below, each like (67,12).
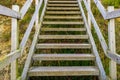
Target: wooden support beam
(112,46)
(14,43)
(9,12)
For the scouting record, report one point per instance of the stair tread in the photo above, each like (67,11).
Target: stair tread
(63,29)
(62,17)
(77,56)
(62,2)
(62,46)
(63,22)
(63,37)
(61,5)
(63,12)
(63,71)
(63,8)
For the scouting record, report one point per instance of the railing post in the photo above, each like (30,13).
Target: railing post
(89,20)
(37,18)
(112,46)
(14,43)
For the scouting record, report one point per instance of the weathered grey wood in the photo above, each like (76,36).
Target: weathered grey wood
(69,57)
(9,12)
(63,37)
(63,22)
(30,54)
(30,26)
(65,2)
(100,36)
(101,8)
(62,46)
(63,71)
(89,20)
(63,29)
(63,17)
(62,5)
(25,8)
(113,14)
(63,8)
(31,51)
(14,43)
(97,29)
(6,60)
(37,17)
(95,51)
(112,46)
(63,12)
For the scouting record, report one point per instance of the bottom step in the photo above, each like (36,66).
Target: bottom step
(64,71)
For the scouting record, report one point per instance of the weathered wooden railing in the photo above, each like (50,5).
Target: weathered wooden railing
(109,50)
(16,49)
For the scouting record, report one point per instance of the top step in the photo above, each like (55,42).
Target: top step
(65,2)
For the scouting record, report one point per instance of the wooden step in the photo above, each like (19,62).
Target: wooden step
(62,5)
(69,57)
(63,12)
(64,71)
(65,2)
(63,46)
(63,37)
(63,8)
(63,23)
(62,17)
(63,29)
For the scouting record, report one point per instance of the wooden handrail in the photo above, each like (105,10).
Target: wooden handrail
(9,12)
(25,8)
(115,56)
(95,51)
(106,15)
(14,55)
(30,26)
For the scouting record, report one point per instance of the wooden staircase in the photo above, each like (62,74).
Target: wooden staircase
(63,47)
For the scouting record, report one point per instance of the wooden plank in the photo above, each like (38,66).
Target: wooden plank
(112,46)
(37,17)
(63,8)
(101,8)
(62,5)
(89,20)
(64,71)
(9,12)
(63,22)
(32,48)
(100,36)
(62,46)
(25,8)
(69,57)
(30,26)
(65,2)
(95,51)
(63,17)
(5,61)
(113,14)
(63,29)
(63,37)
(63,12)
(14,43)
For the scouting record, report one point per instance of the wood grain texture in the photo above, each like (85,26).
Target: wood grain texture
(63,71)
